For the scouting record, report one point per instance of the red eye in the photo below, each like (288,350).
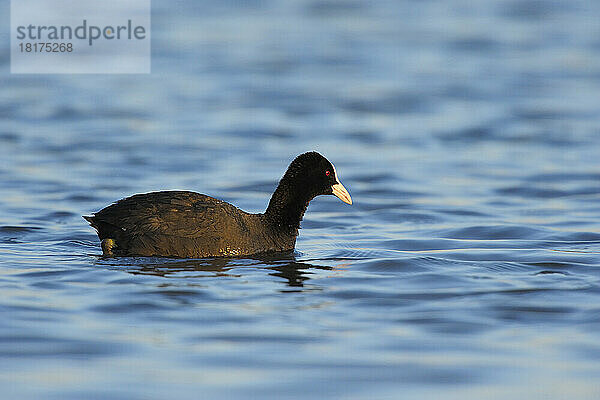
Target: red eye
(327,173)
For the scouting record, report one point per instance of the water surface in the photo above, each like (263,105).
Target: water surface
(468,267)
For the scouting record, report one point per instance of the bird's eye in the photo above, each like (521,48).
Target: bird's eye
(327,173)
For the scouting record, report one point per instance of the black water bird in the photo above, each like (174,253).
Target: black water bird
(192,225)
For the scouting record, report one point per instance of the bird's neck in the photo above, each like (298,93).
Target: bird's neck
(288,205)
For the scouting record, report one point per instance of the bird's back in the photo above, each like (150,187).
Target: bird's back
(183,224)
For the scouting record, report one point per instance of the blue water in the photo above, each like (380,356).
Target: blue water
(468,134)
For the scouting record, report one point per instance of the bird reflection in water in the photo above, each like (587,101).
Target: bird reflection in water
(283,265)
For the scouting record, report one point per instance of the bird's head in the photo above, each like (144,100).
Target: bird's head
(316,175)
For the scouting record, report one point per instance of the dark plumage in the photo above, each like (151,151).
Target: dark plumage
(193,225)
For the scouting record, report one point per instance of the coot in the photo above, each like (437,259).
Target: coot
(193,225)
